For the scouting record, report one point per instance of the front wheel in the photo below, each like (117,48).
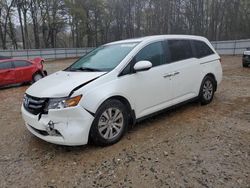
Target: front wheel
(109,124)
(207,90)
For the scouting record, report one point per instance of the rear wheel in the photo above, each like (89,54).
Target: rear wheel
(207,90)
(109,124)
(37,77)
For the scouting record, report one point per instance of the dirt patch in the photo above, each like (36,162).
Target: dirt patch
(191,146)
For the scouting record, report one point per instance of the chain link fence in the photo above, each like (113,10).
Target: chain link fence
(53,53)
(232,47)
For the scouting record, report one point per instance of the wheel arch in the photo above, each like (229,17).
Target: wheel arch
(37,72)
(126,103)
(212,76)
(123,100)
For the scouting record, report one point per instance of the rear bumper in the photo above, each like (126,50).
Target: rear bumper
(70,126)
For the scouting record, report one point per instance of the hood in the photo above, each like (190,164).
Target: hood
(60,84)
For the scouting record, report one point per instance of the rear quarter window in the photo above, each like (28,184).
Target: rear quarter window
(201,49)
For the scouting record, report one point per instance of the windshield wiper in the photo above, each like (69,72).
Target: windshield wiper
(87,69)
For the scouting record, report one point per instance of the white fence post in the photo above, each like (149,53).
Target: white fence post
(235,42)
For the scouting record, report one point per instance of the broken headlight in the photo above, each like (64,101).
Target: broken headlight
(60,103)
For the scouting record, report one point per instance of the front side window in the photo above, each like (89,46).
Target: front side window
(18,64)
(104,58)
(153,53)
(5,65)
(202,49)
(180,50)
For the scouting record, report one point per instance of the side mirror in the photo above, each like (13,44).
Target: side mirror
(142,66)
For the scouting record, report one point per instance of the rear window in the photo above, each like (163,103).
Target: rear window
(5,65)
(180,50)
(202,49)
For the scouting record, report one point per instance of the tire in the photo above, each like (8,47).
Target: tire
(37,77)
(207,90)
(106,131)
(245,65)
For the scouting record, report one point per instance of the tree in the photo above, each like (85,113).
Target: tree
(79,23)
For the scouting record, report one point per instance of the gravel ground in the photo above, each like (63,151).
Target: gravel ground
(191,146)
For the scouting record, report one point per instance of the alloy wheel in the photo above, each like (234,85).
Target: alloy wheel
(208,90)
(111,123)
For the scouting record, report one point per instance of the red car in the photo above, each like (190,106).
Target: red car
(14,71)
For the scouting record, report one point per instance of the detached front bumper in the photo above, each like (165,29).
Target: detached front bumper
(64,127)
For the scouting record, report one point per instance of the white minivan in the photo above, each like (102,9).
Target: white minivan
(119,83)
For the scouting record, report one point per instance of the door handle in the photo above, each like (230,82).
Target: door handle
(171,74)
(167,75)
(176,73)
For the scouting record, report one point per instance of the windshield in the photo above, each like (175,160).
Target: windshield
(104,58)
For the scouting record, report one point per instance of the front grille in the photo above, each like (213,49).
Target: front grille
(34,105)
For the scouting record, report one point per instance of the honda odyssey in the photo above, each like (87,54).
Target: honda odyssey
(119,83)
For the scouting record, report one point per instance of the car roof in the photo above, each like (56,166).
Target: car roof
(7,60)
(158,37)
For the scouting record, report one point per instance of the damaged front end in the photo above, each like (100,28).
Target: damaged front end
(60,121)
